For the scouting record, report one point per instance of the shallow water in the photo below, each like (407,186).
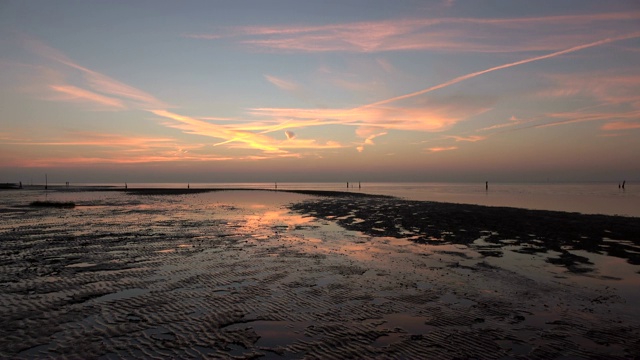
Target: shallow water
(586,197)
(236,274)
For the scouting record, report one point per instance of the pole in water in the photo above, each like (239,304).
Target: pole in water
(276,185)
(46,182)
(359,185)
(347,184)
(486,185)
(623,184)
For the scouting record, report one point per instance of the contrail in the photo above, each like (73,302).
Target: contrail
(500,67)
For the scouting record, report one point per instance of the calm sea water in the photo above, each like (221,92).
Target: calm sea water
(588,198)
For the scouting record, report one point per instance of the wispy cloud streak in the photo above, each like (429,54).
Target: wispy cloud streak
(441,149)
(437,34)
(621,125)
(118,91)
(77,94)
(501,67)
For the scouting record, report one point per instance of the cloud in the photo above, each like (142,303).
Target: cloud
(578,117)
(431,118)
(503,66)
(104,89)
(570,117)
(73,93)
(616,87)
(226,133)
(620,125)
(436,34)
(294,89)
(369,121)
(282,84)
(368,133)
(110,93)
(105,148)
(238,138)
(83,138)
(472,138)
(386,66)
(440,149)
(76,160)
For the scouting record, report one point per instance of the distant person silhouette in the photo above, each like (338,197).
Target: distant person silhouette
(623,184)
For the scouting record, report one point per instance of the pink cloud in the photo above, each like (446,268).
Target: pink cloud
(578,117)
(606,87)
(503,66)
(621,125)
(439,34)
(103,86)
(72,93)
(472,138)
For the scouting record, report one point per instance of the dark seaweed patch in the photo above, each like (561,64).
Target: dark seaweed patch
(54,204)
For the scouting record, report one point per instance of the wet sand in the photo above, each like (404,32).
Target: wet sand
(258,274)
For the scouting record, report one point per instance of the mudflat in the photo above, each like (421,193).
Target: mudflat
(257,274)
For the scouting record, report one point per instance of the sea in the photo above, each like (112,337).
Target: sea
(586,197)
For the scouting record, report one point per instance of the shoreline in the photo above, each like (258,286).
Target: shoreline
(312,192)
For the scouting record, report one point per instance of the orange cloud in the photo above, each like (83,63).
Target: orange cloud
(195,126)
(236,138)
(440,149)
(421,119)
(369,133)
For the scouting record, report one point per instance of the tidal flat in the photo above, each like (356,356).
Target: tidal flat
(282,275)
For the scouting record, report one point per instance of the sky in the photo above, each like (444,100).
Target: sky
(290,91)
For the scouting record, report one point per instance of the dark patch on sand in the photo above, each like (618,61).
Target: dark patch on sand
(441,223)
(54,204)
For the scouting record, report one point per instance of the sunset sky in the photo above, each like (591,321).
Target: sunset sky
(208,91)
